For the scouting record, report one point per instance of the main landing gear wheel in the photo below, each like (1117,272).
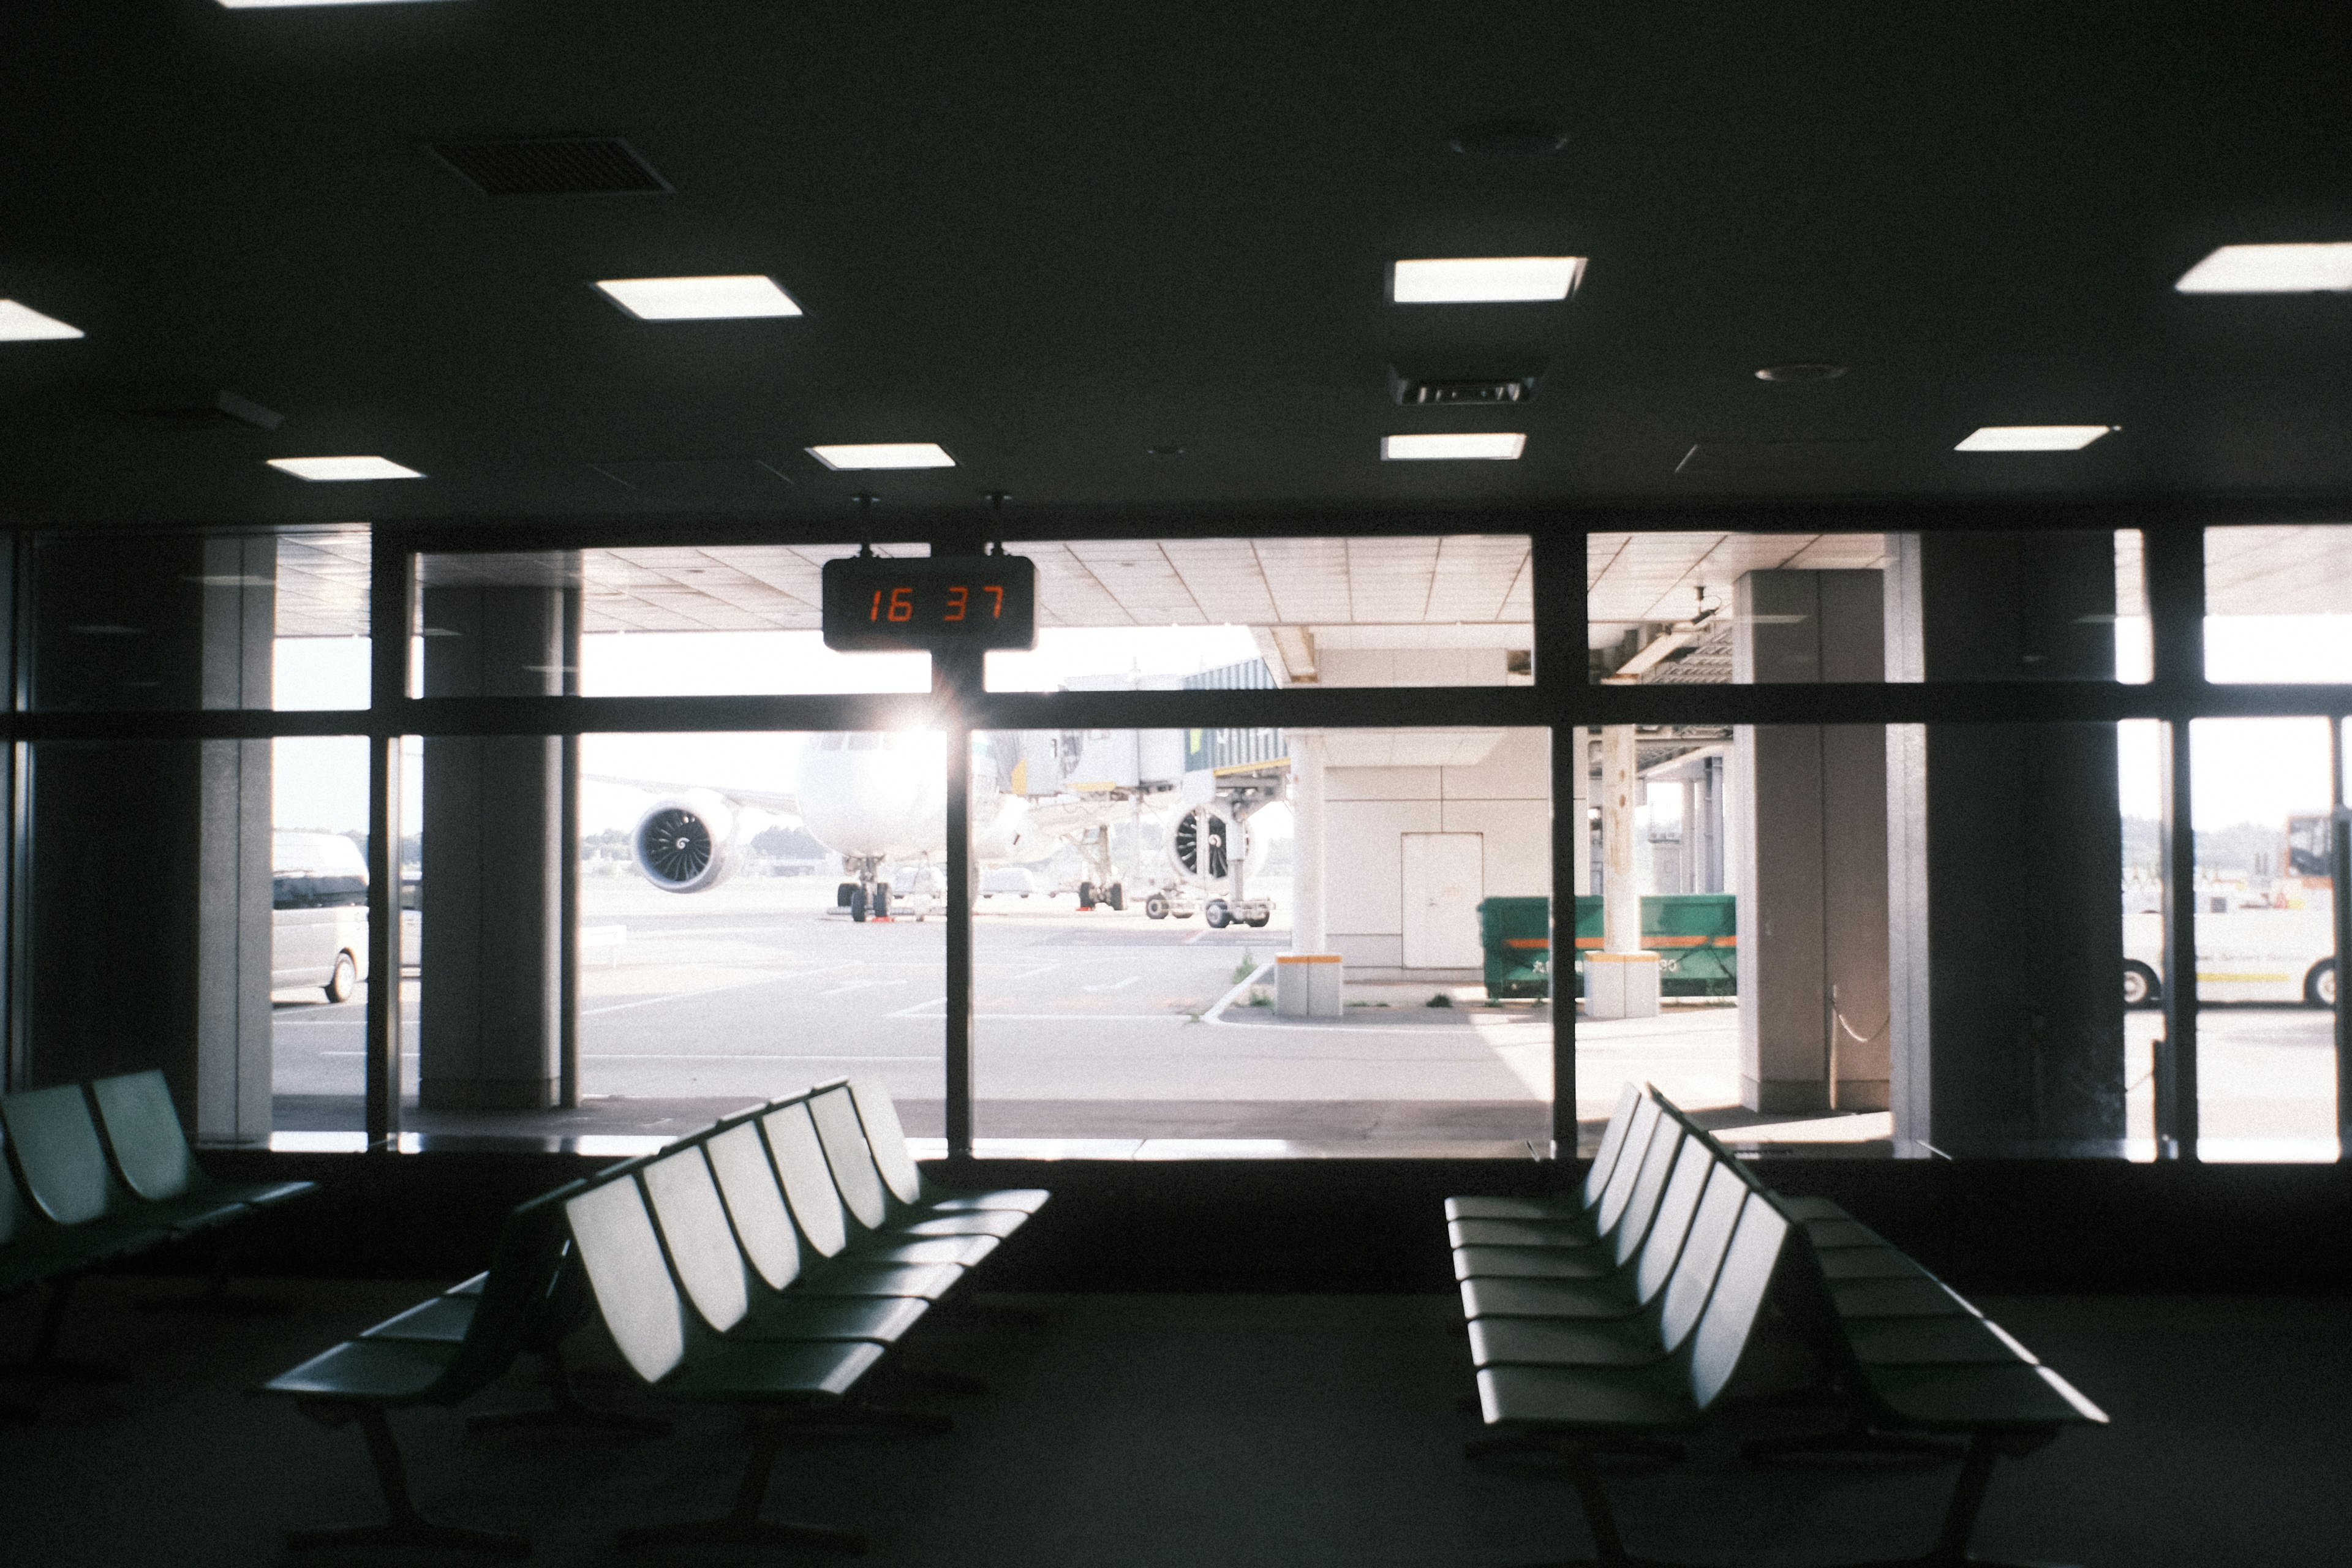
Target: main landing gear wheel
(858,905)
(1155,908)
(1217,913)
(2141,988)
(1086,895)
(1116,895)
(1256,920)
(346,979)
(881,901)
(2319,986)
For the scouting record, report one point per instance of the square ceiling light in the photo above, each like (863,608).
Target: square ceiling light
(337,468)
(1494,445)
(2033,437)
(885,454)
(2272,269)
(22,324)
(730,298)
(1485,279)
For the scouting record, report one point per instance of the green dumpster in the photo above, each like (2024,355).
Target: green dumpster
(1696,936)
(1517,936)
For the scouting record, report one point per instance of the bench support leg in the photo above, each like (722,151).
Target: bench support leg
(742,1524)
(216,1296)
(45,1362)
(565,1409)
(406,1527)
(1608,1546)
(1951,1548)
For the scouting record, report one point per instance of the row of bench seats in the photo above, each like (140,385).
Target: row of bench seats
(103,1171)
(767,1262)
(1615,1319)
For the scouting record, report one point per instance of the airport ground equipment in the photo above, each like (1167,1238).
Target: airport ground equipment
(1581,1354)
(363,1379)
(1696,935)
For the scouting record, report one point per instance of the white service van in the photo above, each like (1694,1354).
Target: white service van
(318,914)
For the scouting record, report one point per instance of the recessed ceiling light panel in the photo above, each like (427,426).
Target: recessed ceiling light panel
(337,468)
(1485,279)
(290,5)
(1494,445)
(2033,438)
(885,454)
(726,297)
(22,324)
(2272,269)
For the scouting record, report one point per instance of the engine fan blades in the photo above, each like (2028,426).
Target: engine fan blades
(675,844)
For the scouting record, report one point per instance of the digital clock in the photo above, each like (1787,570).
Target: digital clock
(937,602)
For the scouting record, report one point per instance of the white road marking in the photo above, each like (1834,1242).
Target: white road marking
(853,985)
(1033,974)
(709,991)
(941,1002)
(1115,985)
(738,1057)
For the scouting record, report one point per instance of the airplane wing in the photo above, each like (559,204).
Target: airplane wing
(772,801)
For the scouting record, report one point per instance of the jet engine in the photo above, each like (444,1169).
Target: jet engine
(685,843)
(1203,842)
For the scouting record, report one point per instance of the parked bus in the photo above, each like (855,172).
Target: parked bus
(2268,944)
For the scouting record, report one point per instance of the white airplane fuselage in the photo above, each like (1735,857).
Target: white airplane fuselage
(882,798)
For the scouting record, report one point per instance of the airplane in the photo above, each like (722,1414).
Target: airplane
(878,799)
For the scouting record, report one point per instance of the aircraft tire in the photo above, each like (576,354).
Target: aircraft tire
(1217,914)
(1086,895)
(1155,908)
(1257,922)
(1116,895)
(843,894)
(858,904)
(881,901)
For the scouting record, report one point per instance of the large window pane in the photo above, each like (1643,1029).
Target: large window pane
(2265,940)
(319,931)
(2278,604)
(1439,610)
(759,912)
(1905,938)
(1701,608)
(672,621)
(1152,901)
(188,621)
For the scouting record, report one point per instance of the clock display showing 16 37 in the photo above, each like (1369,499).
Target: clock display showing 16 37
(935,603)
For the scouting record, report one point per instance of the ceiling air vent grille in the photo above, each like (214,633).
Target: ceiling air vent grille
(575,166)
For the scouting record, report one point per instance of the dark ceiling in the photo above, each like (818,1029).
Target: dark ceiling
(1062,238)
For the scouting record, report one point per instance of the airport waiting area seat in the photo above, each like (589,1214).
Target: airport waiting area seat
(727,1268)
(1692,1259)
(102,1171)
(363,1380)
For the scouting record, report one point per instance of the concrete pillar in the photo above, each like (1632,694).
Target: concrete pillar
(1621,980)
(147,900)
(1811,883)
(2005,854)
(1310,826)
(1621,893)
(233,1057)
(1581,797)
(493,829)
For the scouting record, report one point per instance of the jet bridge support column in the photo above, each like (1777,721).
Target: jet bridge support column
(1309,918)
(1621,980)
(489,1022)
(1812,880)
(2007,856)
